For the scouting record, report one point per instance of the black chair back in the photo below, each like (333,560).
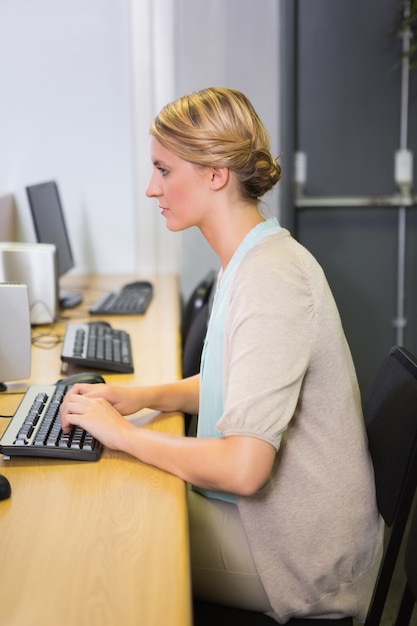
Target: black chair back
(193,332)
(193,345)
(409,597)
(191,357)
(199,297)
(410,563)
(391,423)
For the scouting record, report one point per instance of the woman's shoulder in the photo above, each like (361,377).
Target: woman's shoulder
(279,253)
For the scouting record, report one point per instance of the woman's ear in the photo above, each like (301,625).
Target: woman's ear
(219,177)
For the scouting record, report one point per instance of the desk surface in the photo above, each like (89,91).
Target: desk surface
(105,542)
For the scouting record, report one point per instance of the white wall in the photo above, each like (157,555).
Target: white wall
(80,81)
(65,114)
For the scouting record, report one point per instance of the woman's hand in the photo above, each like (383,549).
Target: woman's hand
(125,400)
(95,414)
(181,395)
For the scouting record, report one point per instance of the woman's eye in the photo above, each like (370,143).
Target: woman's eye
(162,170)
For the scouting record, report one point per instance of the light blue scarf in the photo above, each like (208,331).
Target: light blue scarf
(211,370)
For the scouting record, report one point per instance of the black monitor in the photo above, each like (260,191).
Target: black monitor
(50,227)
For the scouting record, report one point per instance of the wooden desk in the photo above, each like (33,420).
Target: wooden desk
(102,543)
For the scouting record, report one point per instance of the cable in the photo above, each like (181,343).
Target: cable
(46,341)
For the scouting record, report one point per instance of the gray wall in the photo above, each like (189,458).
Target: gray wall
(230,44)
(347,121)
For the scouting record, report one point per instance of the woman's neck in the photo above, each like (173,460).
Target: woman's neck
(225,234)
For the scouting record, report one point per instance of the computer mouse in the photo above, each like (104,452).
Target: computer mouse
(82,377)
(99,323)
(5,489)
(139,284)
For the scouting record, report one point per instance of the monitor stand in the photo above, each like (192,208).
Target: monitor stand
(69,300)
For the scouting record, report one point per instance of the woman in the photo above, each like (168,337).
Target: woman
(282,509)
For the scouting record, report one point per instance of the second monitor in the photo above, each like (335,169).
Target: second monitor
(50,227)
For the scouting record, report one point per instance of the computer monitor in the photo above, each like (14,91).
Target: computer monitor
(50,227)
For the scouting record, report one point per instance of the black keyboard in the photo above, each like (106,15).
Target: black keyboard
(99,346)
(132,299)
(35,429)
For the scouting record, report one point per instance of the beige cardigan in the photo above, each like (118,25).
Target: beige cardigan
(314,529)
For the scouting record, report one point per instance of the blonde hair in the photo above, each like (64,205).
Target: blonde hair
(219,127)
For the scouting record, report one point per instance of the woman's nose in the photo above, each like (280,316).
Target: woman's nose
(152,189)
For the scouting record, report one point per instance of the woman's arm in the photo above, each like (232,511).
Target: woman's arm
(236,464)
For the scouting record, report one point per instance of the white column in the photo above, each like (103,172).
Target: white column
(152,63)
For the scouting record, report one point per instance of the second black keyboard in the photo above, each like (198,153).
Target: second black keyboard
(132,299)
(99,346)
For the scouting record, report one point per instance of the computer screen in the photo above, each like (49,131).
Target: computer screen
(50,227)
(49,222)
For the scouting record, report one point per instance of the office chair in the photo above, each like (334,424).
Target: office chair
(193,332)
(193,345)
(409,597)
(191,356)
(199,297)
(391,423)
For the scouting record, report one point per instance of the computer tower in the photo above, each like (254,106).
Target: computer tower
(15,333)
(34,265)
